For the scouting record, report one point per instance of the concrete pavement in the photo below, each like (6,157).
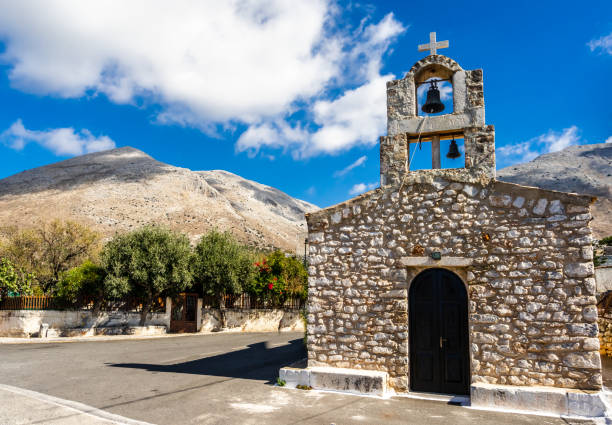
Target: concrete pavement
(21,406)
(205,379)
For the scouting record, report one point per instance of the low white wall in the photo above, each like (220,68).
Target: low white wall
(253,320)
(603,278)
(25,323)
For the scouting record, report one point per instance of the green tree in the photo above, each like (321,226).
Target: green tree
(147,263)
(13,281)
(221,265)
(84,282)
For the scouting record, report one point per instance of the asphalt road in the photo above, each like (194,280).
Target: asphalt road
(208,379)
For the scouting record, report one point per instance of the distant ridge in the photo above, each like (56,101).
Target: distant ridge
(584,169)
(124,188)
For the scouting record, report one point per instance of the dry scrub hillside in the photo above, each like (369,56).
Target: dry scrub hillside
(122,189)
(585,169)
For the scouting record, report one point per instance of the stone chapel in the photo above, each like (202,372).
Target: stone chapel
(448,280)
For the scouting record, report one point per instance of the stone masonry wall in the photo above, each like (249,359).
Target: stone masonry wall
(532,309)
(605,336)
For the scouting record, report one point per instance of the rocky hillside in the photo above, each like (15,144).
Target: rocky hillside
(585,169)
(124,188)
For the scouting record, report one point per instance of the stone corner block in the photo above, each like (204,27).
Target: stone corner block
(559,401)
(354,381)
(349,380)
(294,376)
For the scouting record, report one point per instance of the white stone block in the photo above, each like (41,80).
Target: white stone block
(559,401)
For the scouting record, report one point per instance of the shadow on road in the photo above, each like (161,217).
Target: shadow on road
(258,361)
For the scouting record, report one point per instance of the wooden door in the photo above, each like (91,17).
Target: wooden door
(184,313)
(438,333)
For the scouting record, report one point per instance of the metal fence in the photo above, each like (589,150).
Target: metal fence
(45,302)
(132,304)
(248,301)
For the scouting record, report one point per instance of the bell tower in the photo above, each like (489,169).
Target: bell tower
(467,120)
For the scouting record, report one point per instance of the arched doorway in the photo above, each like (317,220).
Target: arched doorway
(438,333)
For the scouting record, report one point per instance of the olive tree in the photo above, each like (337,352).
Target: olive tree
(221,265)
(147,263)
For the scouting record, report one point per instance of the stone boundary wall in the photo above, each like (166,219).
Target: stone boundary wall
(253,320)
(605,336)
(26,323)
(531,292)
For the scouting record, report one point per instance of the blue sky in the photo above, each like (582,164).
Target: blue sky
(289,94)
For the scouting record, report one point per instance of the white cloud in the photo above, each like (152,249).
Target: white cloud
(356,117)
(552,141)
(609,140)
(211,65)
(60,141)
(203,61)
(604,43)
(360,161)
(360,188)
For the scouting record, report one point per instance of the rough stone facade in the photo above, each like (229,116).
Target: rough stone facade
(524,254)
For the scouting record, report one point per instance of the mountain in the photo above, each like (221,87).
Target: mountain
(122,189)
(584,169)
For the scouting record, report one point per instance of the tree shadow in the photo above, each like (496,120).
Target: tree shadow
(259,361)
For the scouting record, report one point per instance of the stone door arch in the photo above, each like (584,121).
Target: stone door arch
(438,322)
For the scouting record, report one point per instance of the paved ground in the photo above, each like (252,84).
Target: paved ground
(203,379)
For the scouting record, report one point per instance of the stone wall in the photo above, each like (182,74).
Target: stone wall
(252,320)
(468,98)
(605,336)
(26,323)
(479,159)
(532,309)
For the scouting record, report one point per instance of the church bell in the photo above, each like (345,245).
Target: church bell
(433,105)
(453,150)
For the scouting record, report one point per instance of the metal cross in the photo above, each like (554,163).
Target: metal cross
(433,46)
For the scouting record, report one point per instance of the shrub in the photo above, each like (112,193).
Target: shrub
(84,282)
(278,277)
(13,281)
(147,263)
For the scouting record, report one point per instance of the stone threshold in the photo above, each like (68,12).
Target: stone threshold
(457,400)
(542,401)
